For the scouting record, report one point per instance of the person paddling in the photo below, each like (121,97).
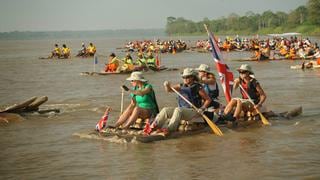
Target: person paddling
(250,88)
(143,101)
(169,117)
(208,81)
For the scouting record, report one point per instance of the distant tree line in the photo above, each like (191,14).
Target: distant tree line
(304,19)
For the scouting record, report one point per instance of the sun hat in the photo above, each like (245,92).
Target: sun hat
(188,72)
(136,76)
(245,67)
(205,68)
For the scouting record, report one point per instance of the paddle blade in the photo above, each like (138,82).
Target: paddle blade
(214,127)
(124,87)
(263,119)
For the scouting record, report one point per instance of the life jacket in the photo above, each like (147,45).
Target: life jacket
(57,50)
(141,62)
(251,90)
(91,49)
(192,94)
(127,61)
(66,51)
(213,93)
(151,62)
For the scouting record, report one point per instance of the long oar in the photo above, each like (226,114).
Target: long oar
(263,119)
(123,88)
(121,108)
(214,127)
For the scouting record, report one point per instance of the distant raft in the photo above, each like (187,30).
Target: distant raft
(299,66)
(160,69)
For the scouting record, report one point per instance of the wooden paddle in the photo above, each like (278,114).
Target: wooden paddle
(213,126)
(263,119)
(123,88)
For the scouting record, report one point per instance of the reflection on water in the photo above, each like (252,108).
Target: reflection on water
(60,146)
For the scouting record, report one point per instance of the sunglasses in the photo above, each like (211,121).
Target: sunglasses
(186,77)
(243,72)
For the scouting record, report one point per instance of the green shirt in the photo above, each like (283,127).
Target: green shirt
(146,101)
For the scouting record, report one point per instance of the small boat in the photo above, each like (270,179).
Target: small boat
(187,128)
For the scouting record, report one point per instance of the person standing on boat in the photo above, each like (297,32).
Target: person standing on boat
(169,117)
(113,64)
(252,88)
(143,101)
(208,81)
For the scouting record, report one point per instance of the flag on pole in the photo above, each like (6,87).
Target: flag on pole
(95,59)
(103,121)
(225,74)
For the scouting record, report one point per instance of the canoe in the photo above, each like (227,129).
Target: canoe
(187,128)
(162,68)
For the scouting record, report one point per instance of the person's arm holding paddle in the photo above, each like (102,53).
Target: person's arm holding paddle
(167,86)
(263,96)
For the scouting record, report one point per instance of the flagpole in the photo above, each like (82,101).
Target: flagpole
(95,61)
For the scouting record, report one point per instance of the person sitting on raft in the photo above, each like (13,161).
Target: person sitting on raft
(208,81)
(56,52)
(141,63)
(66,52)
(143,101)
(151,62)
(169,117)
(127,65)
(253,90)
(264,52)
(91,50)
(113,64)
(82,51)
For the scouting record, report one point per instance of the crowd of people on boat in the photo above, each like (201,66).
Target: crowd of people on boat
(143,62)
(165,46)
(65,52)
(282,47)
(198,95)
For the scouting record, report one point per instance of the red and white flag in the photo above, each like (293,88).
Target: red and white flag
(225,74)
(103,121)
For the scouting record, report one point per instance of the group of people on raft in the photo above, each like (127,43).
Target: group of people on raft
(199,86)
(127,64)
(65,52)
(165,46)
(287,48)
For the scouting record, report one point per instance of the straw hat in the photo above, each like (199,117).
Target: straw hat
(245,67)
(205,68)
(137,76)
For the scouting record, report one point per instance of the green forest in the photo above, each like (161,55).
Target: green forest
(304,19)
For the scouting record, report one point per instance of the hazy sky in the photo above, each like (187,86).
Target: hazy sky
(52,15)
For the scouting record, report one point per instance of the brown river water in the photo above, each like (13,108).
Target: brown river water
(56,146)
